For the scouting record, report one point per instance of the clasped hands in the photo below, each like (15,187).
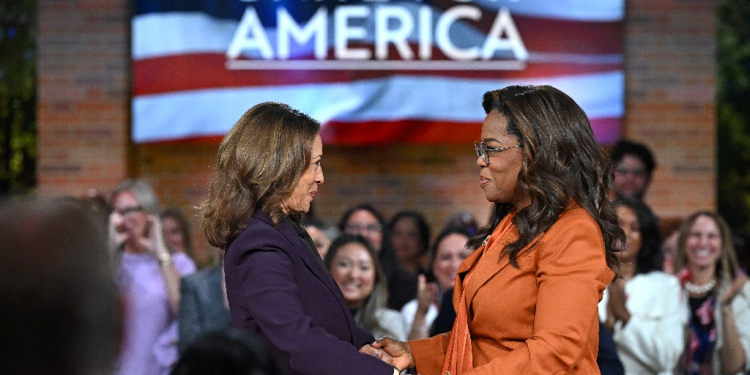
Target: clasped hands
(394,352)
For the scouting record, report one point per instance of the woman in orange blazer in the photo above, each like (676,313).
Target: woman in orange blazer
(526,300)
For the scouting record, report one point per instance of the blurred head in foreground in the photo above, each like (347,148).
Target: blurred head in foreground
(59,309)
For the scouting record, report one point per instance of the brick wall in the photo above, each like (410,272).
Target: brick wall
(84,104)
(670,49)
(83,92)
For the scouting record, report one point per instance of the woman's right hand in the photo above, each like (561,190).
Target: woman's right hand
(117,235)
(398,350)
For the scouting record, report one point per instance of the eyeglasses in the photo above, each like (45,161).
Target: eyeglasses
(356,228)
(129,211)
(636,172)
(484,152)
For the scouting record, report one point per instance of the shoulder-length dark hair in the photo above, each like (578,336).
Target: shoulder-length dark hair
(258,165)
(728,266)
(422,227)
(562,164)
(650,257)
(366,317)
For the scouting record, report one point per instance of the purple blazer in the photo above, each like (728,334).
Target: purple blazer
(280,293)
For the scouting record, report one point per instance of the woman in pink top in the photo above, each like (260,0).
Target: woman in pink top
(149,281)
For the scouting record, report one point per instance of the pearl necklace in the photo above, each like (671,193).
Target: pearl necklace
(700,289)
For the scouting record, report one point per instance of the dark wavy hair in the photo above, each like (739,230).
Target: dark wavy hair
(258,165)
(562,164)
(650,257)
(639,150)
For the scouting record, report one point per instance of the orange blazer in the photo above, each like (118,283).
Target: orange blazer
(539,319)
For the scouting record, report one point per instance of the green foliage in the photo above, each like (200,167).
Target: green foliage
(733,112)
(17,95)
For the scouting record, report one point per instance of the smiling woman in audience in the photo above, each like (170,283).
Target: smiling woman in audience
(718,297)
(357,271)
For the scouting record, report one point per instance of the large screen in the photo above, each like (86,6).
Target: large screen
(372,72)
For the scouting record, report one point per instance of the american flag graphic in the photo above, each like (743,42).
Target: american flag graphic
(372,72)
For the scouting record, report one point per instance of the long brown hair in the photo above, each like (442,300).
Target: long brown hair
(562,164)
(259,163)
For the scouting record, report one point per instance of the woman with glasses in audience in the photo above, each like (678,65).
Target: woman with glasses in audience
(149,280)
(717,296)
(642,307)
(267,174)
(526,299)
(365,221)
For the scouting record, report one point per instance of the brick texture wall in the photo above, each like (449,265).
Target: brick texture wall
(83,91)
(84,122)
(670,59)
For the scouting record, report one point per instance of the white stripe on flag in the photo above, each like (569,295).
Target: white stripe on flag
(213,112)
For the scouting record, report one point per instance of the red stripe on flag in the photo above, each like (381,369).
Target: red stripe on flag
(606,131)
(406,131)
(371,133)
(207,71)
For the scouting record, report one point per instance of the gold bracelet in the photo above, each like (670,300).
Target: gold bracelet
(165,259)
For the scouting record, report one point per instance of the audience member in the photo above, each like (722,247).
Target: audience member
(717,294)
(353,263)
(59,311)
(411,238)
(203,305)
(149,281)
(176,229)
(227,352)
(321,233)
(365,221)
(446,315)
(463,220)
(642,307)
(448,252)
(633,166)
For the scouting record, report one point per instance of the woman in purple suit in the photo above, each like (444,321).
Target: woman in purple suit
(267,174)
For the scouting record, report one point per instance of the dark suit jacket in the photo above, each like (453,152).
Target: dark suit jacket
(202,307)
(279,292)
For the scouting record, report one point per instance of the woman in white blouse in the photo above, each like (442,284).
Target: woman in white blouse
(716,295)
(642,307)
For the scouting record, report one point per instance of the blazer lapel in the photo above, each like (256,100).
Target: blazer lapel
(319,271)
(486,265)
